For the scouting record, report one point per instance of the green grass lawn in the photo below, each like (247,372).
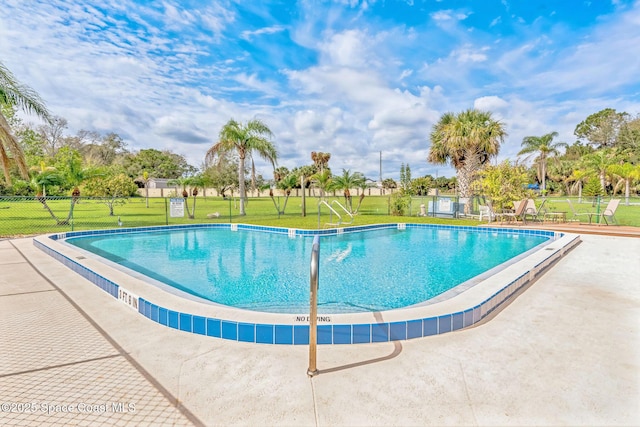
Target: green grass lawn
(19,216)
(625,215)
(28,217)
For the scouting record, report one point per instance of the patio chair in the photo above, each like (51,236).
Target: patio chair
(536,214)
(576,215)
(487,212)
(519,212)
(610,210)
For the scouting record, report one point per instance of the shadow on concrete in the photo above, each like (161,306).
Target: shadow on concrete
(397,349)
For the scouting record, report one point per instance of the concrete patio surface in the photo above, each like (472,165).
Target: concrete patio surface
(564,352)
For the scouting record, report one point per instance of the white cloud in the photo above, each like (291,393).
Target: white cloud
(364,86)
(252,82)
(216,18)
(248,35)
(324,124)
(467,54)
(596,64)
(490,103)
(346,49)
(449,15)
(405,73)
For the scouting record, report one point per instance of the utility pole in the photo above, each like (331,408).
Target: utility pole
(381,168)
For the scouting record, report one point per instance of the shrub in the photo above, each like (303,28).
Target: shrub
(398,203)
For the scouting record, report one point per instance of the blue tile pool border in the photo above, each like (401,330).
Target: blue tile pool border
(287,334)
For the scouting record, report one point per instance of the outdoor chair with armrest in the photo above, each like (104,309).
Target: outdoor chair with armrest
(536,214)
(519,212)
(610,210)
(576,215)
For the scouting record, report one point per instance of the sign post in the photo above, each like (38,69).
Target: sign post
(176,207)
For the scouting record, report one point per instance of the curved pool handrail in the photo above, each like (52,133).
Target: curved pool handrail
(313,305)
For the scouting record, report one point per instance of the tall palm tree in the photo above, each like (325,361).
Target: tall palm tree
(15,94)
(468,140)
(345,182)
(546,148)
(320,160)
(244,139)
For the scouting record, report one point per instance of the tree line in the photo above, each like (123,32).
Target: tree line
(604,159)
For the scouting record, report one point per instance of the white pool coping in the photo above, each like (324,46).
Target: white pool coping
(461,309)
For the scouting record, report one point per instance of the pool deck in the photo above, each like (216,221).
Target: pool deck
(564,352)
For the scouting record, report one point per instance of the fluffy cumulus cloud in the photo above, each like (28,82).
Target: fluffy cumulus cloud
(491,103)
(354,78)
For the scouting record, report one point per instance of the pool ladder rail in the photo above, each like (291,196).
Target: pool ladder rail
(332,212)
(313,306)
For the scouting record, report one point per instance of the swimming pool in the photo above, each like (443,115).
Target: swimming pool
(460,307)
(365,270)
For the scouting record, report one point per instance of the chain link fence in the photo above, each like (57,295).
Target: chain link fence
(22,216)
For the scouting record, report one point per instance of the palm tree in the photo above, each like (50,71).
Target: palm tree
(560,172)
(193,183)
(320,160)
(13,93)
(347,181)
(280,173)
(44,176)
(244,139)
(579,176)
(304,172)
(286,184)
(546,148)
(467,140)
(145,181)
(70,161)
(323,180)
(598,162)
(627,172)
(364,184)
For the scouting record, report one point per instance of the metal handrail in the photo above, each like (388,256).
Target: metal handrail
(324,202)
(313,306)
(333,211)
(344,209)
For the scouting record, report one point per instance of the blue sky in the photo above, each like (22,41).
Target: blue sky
(348,77)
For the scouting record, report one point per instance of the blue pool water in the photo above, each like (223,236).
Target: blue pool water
(374,270)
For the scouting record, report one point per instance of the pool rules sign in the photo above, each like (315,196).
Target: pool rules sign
(176,207)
